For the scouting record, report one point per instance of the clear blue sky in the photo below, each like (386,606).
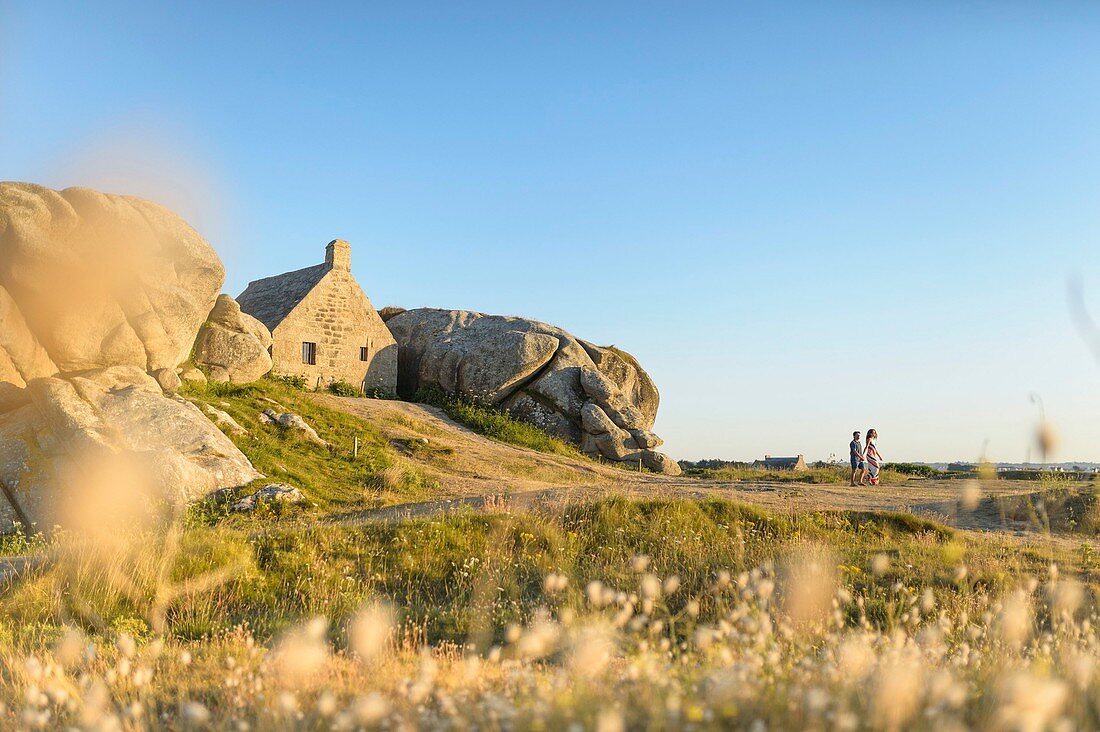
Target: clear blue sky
(803,218)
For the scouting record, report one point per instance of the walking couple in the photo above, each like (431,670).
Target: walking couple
(866,459)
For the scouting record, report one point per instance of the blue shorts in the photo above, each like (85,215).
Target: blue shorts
(856,464)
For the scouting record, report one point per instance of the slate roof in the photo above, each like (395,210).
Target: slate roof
(271,299)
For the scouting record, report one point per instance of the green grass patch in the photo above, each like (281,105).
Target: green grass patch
(465,577)
(498,425)
(332,476)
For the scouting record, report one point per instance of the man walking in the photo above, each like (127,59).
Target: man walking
(856,450)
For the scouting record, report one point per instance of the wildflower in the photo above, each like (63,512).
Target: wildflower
(855,658)
(370,630)
(1066,597)
(1029,703)
(639,563)
(808,587)
(95,704)
(194,715)
(301,653)
(1015,618)
(610,720)
(555,583)
(1081,668)
(704,636)
(592,651)
(288,703)
(69,647)
(595,593)
(896,693)
(538,640)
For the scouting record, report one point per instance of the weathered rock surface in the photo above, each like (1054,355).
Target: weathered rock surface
(390,311)
(191,373)
(273,493)
(168,380)
(598,398)
(224,419)
(233,345)
(292,422)
(101,298)
(114,412)
(90,280)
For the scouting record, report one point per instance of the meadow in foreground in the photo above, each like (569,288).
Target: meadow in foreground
(612,615)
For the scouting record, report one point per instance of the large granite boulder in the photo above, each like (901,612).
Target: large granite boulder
(233,346)
(599,398)
(118,413)
(101,298)
(90,280)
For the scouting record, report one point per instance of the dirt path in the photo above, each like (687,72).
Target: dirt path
(477,473)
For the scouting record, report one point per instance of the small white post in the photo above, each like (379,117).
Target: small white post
(355,449)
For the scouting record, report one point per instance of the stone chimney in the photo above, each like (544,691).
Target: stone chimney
(338,255)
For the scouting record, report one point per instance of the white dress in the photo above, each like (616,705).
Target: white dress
(874,461)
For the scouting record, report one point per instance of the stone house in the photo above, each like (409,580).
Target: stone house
(323,326)
(781,463)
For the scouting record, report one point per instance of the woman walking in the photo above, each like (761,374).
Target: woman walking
(872,459)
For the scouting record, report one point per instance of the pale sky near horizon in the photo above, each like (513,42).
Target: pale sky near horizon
(802,218)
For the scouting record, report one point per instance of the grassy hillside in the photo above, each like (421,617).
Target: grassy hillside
(330,477)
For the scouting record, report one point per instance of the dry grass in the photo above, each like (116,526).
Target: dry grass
(615,615)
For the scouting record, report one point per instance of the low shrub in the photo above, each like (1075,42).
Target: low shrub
(496,423)
(921,471)
(344,389)
(295,381)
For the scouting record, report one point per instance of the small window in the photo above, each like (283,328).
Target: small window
(363,353)
(309,353)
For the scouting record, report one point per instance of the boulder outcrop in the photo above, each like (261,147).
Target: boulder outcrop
(90,280)
(101,298)
(232,345)
(272,493)
(294,422)
(118,412)
(599,398)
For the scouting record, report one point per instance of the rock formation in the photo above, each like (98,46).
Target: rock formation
(232,345)
(272,493)
(89,280)
(109,412)
(390,311)
(598,398)
(294,422)
(101,298)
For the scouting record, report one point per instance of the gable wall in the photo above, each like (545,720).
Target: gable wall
(339,318)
